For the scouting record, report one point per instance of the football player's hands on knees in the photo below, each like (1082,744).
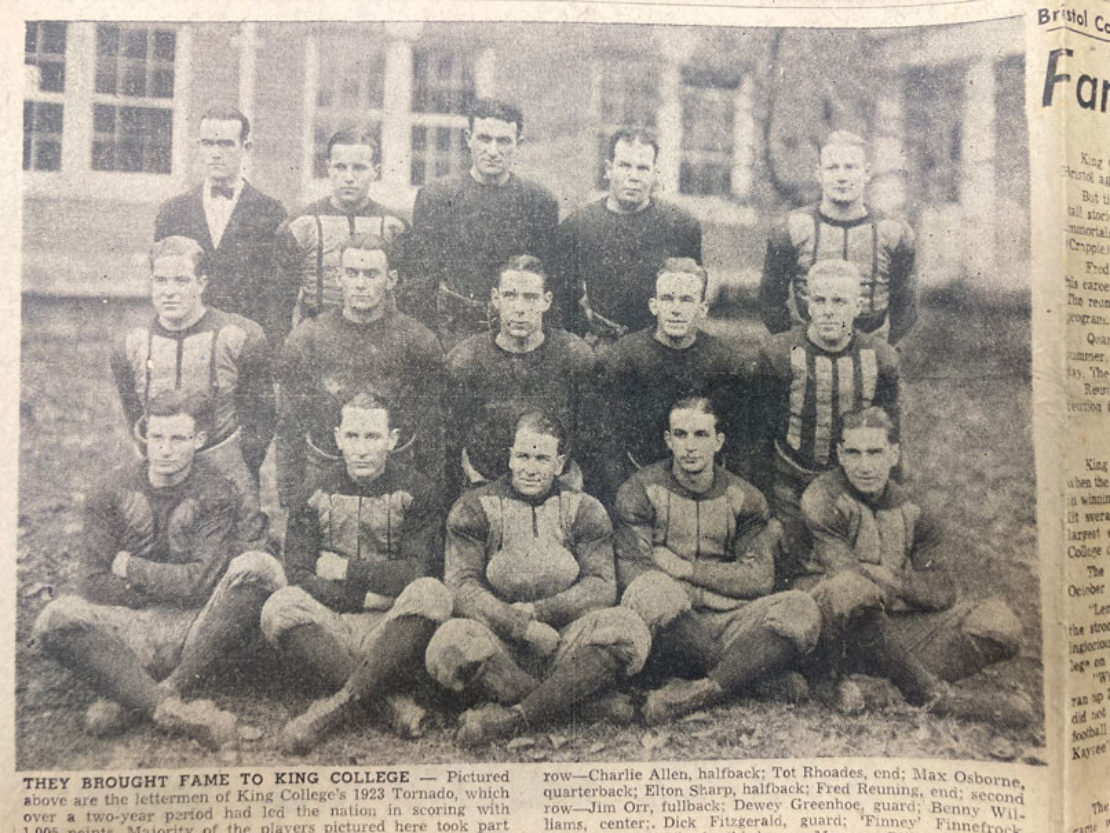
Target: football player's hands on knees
(886,578)
(544,639)
(331,566)
(119,563)
(526,607)
(846,596)
(673,565)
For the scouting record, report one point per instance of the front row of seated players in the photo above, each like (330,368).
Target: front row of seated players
(165,594)
(530,575)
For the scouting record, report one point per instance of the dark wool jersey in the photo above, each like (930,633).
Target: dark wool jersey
(615,257)
(488,388)
(464,231)
(882,248)
(805,390)
(714,530)
(555,551)
(889,530)
(328,359)
(308,253)
(389,530)
(223,355)
(181,538)
(641,378)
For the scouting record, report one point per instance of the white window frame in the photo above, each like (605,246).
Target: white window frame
(77,177)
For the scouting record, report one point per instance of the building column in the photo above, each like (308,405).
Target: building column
(248,52)
(887,191)
(485,74)
(397,103)
(977,194)
(77,109)
(744,132)
(675,46)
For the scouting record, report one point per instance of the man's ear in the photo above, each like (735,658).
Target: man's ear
(247,145)
(560,464)
(200,438)
(896,451)
(653,305)
(720,441)
(548,297)
(608,169)
(394,438)
(392,276)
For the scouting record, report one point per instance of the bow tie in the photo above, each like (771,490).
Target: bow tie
(225,191)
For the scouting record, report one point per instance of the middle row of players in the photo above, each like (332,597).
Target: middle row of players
(781,403)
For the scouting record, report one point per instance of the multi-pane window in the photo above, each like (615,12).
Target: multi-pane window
(707,135)
(350,91)
(628,96)
(442,91)
(44,55)
(132,109)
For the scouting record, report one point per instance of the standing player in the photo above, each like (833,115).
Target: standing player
(696,555)
(611,250)
(494,378)
(646,372)
(164,591)
(468,224)
(360,607)
(365,346)
(531,565)
(191,347)
(841,226)
(880,573)
(233,221)
(309,242)
(807,379)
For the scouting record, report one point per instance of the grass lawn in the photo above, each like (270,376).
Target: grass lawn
(968,448)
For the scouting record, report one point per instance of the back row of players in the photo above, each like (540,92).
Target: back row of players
(519,419)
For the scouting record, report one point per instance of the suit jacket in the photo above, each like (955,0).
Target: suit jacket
(240,270)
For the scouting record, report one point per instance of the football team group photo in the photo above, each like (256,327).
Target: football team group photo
(486,467)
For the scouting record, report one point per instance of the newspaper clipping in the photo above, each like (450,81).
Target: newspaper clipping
(593,416)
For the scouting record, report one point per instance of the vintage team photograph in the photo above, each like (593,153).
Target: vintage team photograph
(439,392)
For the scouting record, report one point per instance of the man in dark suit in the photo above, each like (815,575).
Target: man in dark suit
(234,221)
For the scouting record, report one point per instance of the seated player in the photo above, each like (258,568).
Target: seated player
(807,379)
(531,565)
(164,592)
(880,573)
(309,243)
(646,372)
(696,555)
(367,345)
(360,606)
(203,351)
(494,378)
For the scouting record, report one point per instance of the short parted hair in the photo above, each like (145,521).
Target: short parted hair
(684,266)
(225,112)
(830,268)
(872,417)
(388,244)
(701,404)
(542,422)
(491,108)
(523,263)
(170,403)
(633,135)
(178,246)
(844,137)
(355,136)
(366,401)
